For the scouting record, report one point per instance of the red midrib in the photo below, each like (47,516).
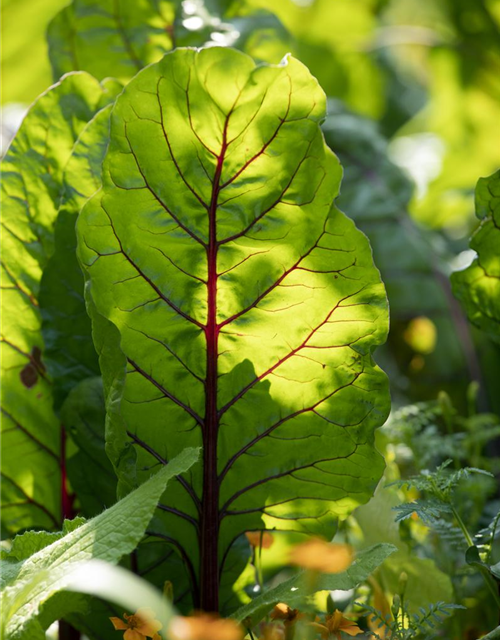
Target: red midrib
(209,535)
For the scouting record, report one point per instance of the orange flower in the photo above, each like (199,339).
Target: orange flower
(318,555)
(335,624)
(204,626)
(260,538)
(283,612)
(139,626)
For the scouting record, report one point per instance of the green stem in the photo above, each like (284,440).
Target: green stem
(462,526)
(490,583)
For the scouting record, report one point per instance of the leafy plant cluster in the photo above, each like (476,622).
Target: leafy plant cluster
(189,298)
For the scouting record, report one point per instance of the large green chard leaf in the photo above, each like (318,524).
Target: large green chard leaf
(32,169)
(412,261)
(478,286)
(33,581)
(245,304)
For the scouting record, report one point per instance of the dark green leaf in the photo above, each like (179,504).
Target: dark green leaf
(69,353)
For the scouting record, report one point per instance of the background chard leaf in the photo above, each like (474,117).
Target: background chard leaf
(245,305)
(31,184)
(127,35)
(118,38)
(69,353)
(478,286)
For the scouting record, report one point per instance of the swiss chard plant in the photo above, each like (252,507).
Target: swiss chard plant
(177,274)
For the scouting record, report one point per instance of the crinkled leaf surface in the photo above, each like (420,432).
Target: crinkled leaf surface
(107,537)
(31,184)
(246,305)
(478,286)
(296,589)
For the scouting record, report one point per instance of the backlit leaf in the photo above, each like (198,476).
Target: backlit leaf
(245,304)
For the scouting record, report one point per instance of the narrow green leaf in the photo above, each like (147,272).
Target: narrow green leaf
(31,184)
(478,286)
(107,537)
(294,591)
(245,305)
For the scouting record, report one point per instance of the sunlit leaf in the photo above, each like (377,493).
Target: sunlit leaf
(110,37)
(245,304)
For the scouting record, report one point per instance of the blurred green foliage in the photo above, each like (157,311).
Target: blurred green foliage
(25,64)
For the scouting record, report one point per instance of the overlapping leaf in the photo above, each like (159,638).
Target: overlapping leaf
(245,304)
(478,286)
(32,170)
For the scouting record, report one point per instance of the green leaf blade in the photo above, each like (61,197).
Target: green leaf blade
(109,38)
(247,306)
